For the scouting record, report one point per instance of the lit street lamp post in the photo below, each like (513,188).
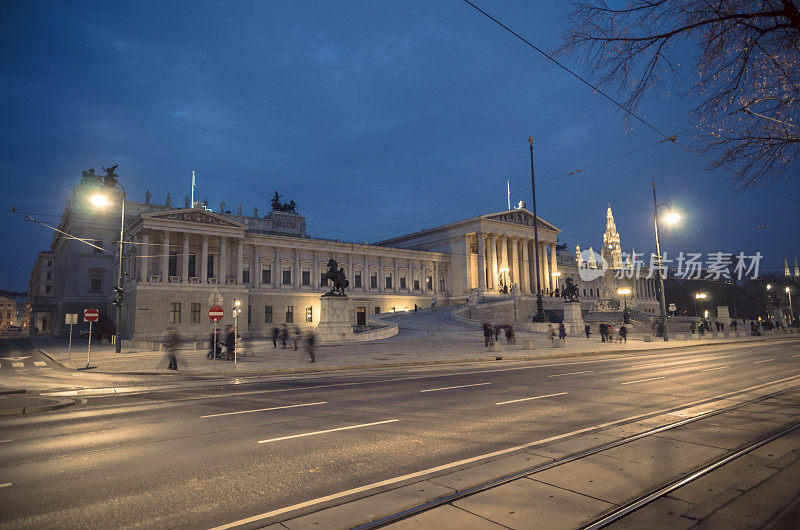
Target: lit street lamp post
(540,314)
(100,201)
(624,292)
(701,297)
(791,311)
(672,218)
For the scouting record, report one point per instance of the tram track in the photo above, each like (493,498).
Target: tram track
(625,509)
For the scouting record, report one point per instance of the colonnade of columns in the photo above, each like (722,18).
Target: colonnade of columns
(154,264)
(505,260)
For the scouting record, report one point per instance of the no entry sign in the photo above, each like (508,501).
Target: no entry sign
(215,313)
(90,315)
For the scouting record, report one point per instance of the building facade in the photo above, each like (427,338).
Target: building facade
(41,302)
(8,311)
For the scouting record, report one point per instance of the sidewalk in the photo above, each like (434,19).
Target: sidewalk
(408,348)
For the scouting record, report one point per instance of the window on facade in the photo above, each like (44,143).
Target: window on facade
(357,280)
(245,276)
(98,243)
(268,314)
(591,292)
(211,265)
(584,292)
(289,314)
(173,264)
(388,282)
(309,314)
(377,310)
(49,263)
(373,281)
(402,282)
(195,313)
(266,275)
(441,284)
(175,313)
(49,275)
(429,283)
(416,285)
(47,289)
(192,265)
(305,277)
(96,282)
(287,277)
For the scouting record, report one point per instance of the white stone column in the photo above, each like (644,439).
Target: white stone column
(467,266)
(526,268)
(350,271)
(396,277)
(255,267)
(223,260)
(297,276)
(548,279)
(503,241)
(315,270)
(185,259)
(435,281)
(165,259)
(423,285)
(492,262)
(481,262)
(514,261)
(239,261)
(204,261)
(277,270)
(381,275)
(145,252)
(554,267)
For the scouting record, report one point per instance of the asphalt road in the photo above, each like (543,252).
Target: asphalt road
(213,455)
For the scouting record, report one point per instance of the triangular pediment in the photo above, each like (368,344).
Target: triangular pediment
(194,215)
(519,217)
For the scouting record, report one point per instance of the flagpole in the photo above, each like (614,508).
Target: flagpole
(508,188)
(191,204)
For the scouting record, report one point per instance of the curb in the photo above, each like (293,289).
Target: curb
(38,408)
(497,357)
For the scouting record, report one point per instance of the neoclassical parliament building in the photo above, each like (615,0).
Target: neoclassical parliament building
(178,258)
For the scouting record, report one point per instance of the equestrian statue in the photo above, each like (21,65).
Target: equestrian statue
(570,291)
(337,277)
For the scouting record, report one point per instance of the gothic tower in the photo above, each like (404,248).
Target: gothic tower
(612,251)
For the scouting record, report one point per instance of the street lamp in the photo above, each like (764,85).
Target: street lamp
(769,301)
(698,296)
(540,314)
(671,218)
(236,310)
(624,292)
(100,200)
(791,311)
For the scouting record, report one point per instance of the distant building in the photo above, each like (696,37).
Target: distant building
(8,310)
(41,302)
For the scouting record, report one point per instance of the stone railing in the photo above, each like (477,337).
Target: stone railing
(175,279)
(214,281)
(154,278)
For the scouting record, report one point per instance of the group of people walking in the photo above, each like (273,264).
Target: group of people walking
(562,333)
(607,332)
(491,333)
(284,335)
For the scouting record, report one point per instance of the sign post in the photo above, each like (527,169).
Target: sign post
(215,314)
(71,318)
(90,315)
(236,310)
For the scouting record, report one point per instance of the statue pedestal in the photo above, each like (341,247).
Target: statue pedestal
(573,317)
(334,320)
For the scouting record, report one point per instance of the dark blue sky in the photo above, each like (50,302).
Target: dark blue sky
(377,118)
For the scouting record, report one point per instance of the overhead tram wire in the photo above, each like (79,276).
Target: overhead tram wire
(623,107)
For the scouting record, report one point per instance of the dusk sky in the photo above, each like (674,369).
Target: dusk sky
(376,118)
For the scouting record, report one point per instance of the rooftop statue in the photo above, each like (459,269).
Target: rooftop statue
(147,197)
(90,177)
(110,178)
(277,206)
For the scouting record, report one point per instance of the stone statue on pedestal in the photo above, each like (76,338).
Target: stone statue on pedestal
(570,291)
(222,207)
(169,199)
(239,209)
(110,178)
(255,211)
(89,177)
(186,202)
(337,277)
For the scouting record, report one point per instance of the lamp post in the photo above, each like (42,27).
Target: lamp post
(236,310)
(624,292)
(100,200)
(791,311)
(769,301)
(701,297)
(672,218)
(540,314)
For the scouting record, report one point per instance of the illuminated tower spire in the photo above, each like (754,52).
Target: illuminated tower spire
(796,268)
(786,271)
(612,251)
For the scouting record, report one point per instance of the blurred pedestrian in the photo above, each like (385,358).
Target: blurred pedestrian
(602,329)
(562,332)
(551,333)
(172,341)
(488,333)
(310,339)
(496,332)
(588,330)
(295,336)
(230,340)
(623,334)
(509,331)
(284,335)
(275,333)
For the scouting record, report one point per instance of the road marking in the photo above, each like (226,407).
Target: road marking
(530,398)
(326,430)
(796,355)
(571,373)
(17,365)
(643,380)
(452,387)
(5,441)
(478,458)
(717,368)
(7,484)
(763,361)
(39,363)
(262,410)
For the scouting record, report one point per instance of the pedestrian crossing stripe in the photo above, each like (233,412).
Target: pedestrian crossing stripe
(17,365)
(40,363)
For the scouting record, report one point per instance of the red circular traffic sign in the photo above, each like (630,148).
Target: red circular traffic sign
(90,315)
(215,313)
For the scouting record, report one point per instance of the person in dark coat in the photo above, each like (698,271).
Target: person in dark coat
(602,330)
(230,340)
(588,330)
(562,331)
(623,334)
(509,331)
(172,345)
(214,349)
(284,335)
(295,337)
(275,333)
(488,332)
(310,339)
(496,332)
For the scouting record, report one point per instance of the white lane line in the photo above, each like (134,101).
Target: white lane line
(262,410)
(763,361)
(7,484)
(326,430)
(452,387)
(39,363)
(530,398)
(5,441)
(572,373)
(17,365)
(796,355)
(643,380)
(717,368)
